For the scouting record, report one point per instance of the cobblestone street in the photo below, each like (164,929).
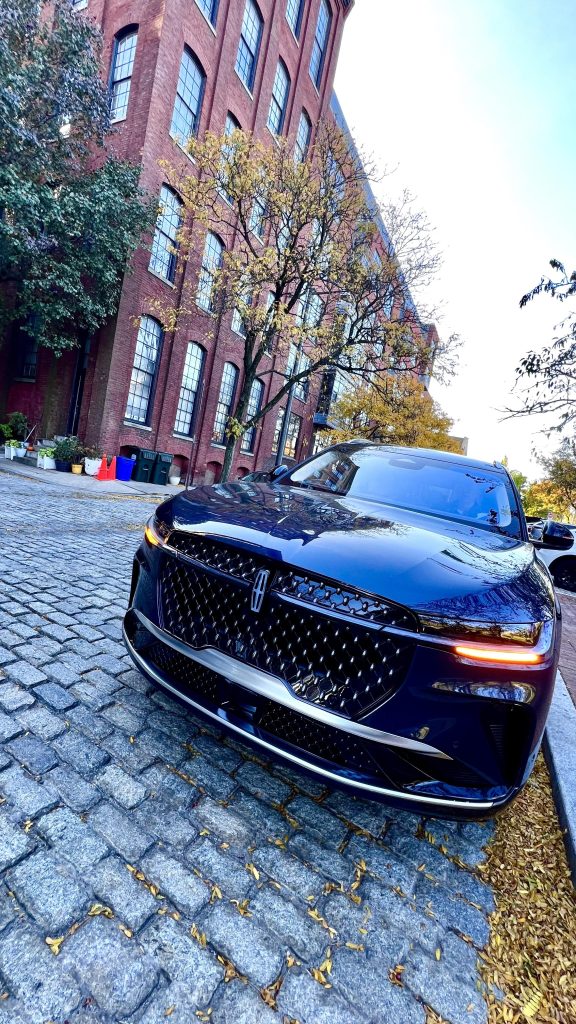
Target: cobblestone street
(152,869)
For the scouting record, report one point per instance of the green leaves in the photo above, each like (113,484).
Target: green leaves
(67,225)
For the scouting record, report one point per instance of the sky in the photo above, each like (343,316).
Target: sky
(470,105)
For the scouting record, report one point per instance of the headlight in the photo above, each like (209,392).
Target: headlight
(508,643)
(156,533)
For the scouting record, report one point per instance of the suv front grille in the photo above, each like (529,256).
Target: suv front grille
(345,666)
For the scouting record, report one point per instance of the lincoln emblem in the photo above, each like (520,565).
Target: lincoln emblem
(259,589)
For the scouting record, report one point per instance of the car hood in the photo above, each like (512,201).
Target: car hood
(427,563)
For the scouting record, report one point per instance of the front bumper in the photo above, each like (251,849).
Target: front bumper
(453,739)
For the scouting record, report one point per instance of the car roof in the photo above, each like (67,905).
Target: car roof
(425,453)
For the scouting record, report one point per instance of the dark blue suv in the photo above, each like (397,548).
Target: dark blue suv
(376,616)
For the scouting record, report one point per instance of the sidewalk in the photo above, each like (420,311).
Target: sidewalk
(85,484)
(568,649)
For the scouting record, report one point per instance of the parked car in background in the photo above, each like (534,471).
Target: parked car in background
(376,615)
(562,565)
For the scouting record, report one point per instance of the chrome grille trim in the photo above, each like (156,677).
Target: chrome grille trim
(275,689)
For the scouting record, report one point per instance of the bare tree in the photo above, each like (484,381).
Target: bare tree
(550,375)
(303,265)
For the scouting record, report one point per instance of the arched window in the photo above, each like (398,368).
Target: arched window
(188,102)
(320,44)
(209,9)
(249,44)
(254,406)
(121,72)
(211,263)
(225,402)
(303,136)
(165,244)
(190,389)
(232,125)
(144,370)
(294,11)
(279,99)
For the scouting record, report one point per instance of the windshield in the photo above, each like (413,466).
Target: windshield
(449,489)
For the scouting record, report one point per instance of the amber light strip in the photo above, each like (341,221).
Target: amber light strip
(505,657)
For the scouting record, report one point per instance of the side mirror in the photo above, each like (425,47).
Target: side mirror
(556,536)
(278,471)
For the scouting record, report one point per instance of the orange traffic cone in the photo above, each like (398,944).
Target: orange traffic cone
(112,469)
(102,473)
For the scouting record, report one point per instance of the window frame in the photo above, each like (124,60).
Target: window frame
(248,441)
(195,114)
(223,407)
(279,107)
(249,6)
(145,422)
(301,152)
(191,349)
(124,34)
(209,270)
(318,46)
(296,27)
(213,6)
(173,242)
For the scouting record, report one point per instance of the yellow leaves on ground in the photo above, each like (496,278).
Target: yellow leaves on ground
(54,944)
(99,909)
(242,907)
(317,916)
(253,871)
(531,955)
(141,877)
(198,935)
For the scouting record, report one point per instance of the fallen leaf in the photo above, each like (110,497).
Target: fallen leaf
(54,944)
(100,910)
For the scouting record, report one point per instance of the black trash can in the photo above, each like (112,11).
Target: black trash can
(161,468)
(144,466)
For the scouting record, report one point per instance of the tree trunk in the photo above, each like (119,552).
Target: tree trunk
(228,457)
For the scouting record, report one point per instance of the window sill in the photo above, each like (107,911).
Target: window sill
(182,148)
(116,120)
(81,6)
(292,32)
(244,86)
(136,426)
(206,312)
(184,437)
(207,20)
(249,455)
(161,278)
(24,380)
(214,444)
(273,134)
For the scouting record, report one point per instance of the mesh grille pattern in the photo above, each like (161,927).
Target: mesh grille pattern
(342,599)
(232,561)
(302,587)
(315,737)
(340,665)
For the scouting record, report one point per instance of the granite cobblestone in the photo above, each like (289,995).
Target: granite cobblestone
(102,773)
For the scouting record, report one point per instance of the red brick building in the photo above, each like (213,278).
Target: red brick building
(179,67)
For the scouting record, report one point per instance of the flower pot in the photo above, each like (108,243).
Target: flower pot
(77,468)
(174,479)
(8,451)
(91,466)
(63,467)
(20,452)
(48,462)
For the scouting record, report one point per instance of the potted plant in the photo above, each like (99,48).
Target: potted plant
(11,448)
(18,426)
(92,459)
(65,452)
(77,459)
(46,458)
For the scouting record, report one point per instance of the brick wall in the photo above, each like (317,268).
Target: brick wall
(164,27)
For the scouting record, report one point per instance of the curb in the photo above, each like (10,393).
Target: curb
(560,753)
(108,488)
